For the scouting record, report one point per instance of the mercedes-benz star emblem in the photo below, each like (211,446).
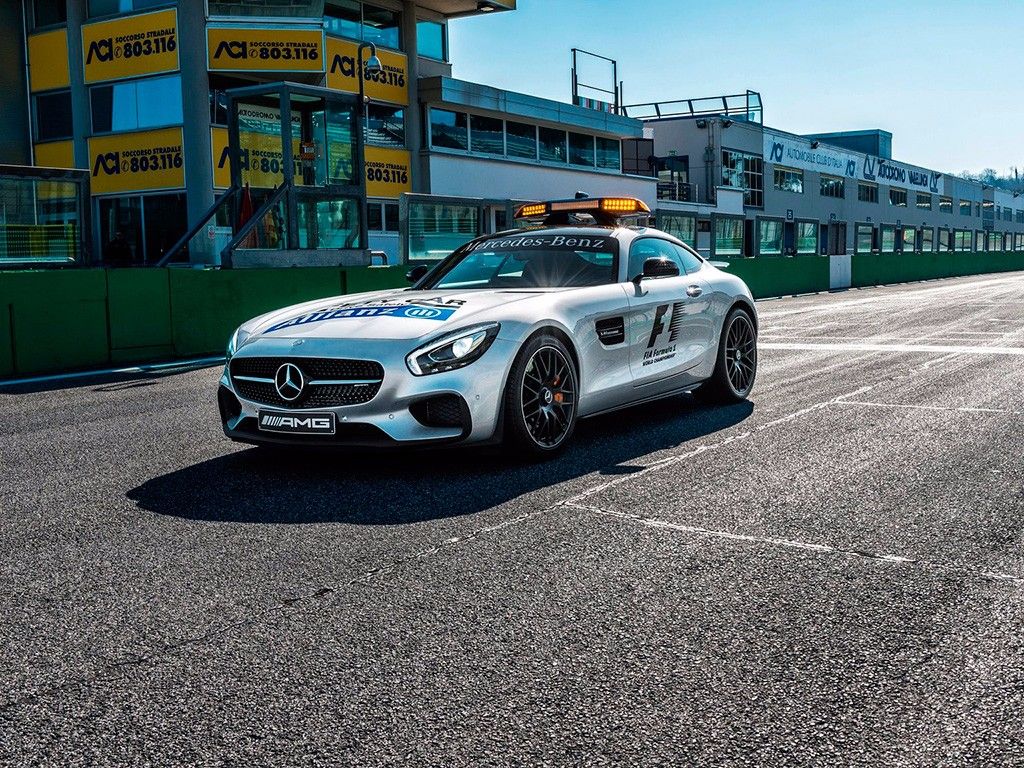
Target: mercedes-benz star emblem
(288,382)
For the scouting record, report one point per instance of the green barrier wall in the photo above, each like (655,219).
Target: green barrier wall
(883,268)
(6,343)
(58,318)
(207,305)
(139,314)
(54,321)
(776,276)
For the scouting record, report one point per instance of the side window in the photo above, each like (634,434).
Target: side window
(690,262)
(651,248)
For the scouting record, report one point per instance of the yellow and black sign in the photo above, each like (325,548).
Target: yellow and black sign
(262,167)
(231,49)
(388,172)
(137,162)
(146,44)
(48,60)
(391,84)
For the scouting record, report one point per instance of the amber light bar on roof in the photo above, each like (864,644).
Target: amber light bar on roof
(623,205)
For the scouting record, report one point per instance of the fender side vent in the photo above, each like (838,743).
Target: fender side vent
(611,330)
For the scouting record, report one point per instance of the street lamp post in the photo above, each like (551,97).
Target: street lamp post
(372,66)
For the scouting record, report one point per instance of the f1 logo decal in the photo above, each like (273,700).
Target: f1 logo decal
(659,322)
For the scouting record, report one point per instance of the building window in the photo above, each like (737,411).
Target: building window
(806,237)
(987,210)
(381,216)
(110,7)
(769,237)
(945,204)
(832,186)
(741,170)
(552,145)
(53,116)
(979,241)
(487,134)
(680,225)
(898,197)
(728,236)
(431,39)
(977,209)
(48,12)
(638,157)
(449,130)
(1018,240)
(965,207)
(521,140)
(962,240)
(150,224)
(927,239)
(924,202)
(385,126)
(788,180)
(865,242)
(135,104)
(609,154)
(1007,214)
(945,239)
(361,21)
(867,193)
(909,240)
(888,237)
(581,149)
(1020,217)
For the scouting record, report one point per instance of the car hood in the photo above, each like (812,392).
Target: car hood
(397,314)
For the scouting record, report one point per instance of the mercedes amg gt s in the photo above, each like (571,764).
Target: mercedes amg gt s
(514,337)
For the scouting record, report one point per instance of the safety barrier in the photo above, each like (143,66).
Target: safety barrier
(55,321)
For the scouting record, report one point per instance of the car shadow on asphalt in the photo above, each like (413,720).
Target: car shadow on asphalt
(402,487)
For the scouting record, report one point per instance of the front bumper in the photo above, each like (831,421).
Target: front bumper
(389,419)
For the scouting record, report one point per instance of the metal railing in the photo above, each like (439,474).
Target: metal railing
(180,247)
(739,106)
(680,191)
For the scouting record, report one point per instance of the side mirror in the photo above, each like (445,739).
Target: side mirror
(658,267)
(416,274)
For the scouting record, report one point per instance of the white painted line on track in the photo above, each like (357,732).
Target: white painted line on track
(962,409)
(824,549)
(199,362)
(867,347)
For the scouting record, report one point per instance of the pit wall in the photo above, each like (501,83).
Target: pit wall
(53,321)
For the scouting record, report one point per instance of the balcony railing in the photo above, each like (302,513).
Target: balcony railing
(680,191)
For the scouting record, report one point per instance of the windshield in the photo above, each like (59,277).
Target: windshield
(532,261)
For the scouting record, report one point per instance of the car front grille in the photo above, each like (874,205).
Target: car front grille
(328,382)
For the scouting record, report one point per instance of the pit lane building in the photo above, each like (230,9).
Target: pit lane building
(830,193)
(174,107)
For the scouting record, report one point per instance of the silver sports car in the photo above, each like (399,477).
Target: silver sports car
(514,337)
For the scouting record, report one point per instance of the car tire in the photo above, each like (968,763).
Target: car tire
(541,398)
(736,362)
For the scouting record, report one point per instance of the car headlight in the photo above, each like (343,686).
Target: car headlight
(238,338)
(454,350)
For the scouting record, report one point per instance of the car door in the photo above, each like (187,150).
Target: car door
(670,324)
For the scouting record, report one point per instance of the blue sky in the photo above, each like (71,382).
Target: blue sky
(946,78)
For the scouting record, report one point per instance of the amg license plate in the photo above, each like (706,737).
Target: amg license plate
(297,423)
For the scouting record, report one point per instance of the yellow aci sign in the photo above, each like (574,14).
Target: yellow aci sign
(137,162)
(388,172)
(231,49)
(48,60)
(391,84)
(262,166)
(145,44)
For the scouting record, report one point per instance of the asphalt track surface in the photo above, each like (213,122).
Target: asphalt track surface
(831,574)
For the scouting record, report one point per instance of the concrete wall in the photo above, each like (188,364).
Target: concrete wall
(481,177)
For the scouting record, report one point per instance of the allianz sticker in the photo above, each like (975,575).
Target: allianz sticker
(433,309)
